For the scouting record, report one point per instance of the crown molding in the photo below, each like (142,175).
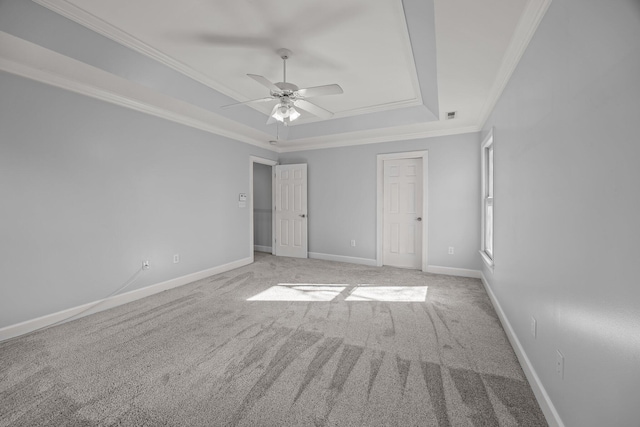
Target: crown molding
(533,13)
(26,59)
(35,62)
(370,137)
(92,22)
(29,60)
(387,106)
(394,105)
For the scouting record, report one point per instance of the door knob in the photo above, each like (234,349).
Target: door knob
(302,216)
(419,219)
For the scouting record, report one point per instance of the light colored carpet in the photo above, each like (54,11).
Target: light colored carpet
(202,355)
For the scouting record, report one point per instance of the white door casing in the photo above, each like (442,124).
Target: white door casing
(403,213)
(291,210)
(272,163)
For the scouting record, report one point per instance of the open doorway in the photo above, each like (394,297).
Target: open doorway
(261,205)
(262,208)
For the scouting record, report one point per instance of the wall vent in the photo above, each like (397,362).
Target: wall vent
(451,115)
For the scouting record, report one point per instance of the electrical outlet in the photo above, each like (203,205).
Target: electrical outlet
(451,250)
(353,243)
(146,265)
(176,258)
(560,364)
(534,327)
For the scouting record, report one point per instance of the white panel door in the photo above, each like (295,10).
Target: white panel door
(402,222)
(291,210)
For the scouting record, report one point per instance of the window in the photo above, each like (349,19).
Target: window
(487,200)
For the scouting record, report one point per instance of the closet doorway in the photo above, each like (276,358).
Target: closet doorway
(261,205)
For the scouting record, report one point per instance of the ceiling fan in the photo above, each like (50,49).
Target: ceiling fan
(290,97)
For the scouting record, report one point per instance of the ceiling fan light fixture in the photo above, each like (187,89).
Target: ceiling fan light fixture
(293,114)
(281,112)
(285,111)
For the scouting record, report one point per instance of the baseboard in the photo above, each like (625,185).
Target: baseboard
(452,271)
(260,248)
(114,301)
(549,410)
(449,271)
(342,258)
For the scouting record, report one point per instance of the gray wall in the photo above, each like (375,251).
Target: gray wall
(90,189)
(262,206)
(567,197)
(342,198)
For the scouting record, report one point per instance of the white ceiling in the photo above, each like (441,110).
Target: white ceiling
(226,40)
(402,64)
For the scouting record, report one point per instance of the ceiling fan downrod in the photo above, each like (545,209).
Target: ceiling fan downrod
(284,54)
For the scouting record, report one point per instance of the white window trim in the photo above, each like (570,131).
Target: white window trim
(488,142)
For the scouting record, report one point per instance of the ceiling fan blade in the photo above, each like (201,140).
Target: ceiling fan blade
(226,40)
(320,91)
(313,109)
(217,39)
(264,82)
(271,118)
(249,102)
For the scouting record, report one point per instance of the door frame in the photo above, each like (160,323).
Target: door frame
(272,163)
(424,155)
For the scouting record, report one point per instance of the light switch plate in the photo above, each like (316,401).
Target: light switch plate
(560,364)
(534,327)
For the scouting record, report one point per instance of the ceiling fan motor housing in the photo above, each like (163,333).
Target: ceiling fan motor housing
(286,88)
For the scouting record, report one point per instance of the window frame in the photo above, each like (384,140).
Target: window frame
(487,250)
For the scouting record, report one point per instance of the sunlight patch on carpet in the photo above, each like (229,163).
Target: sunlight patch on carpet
(327,292)
(389,293)
(299,292)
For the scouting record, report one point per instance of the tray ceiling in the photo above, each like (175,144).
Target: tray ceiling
(402,64)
